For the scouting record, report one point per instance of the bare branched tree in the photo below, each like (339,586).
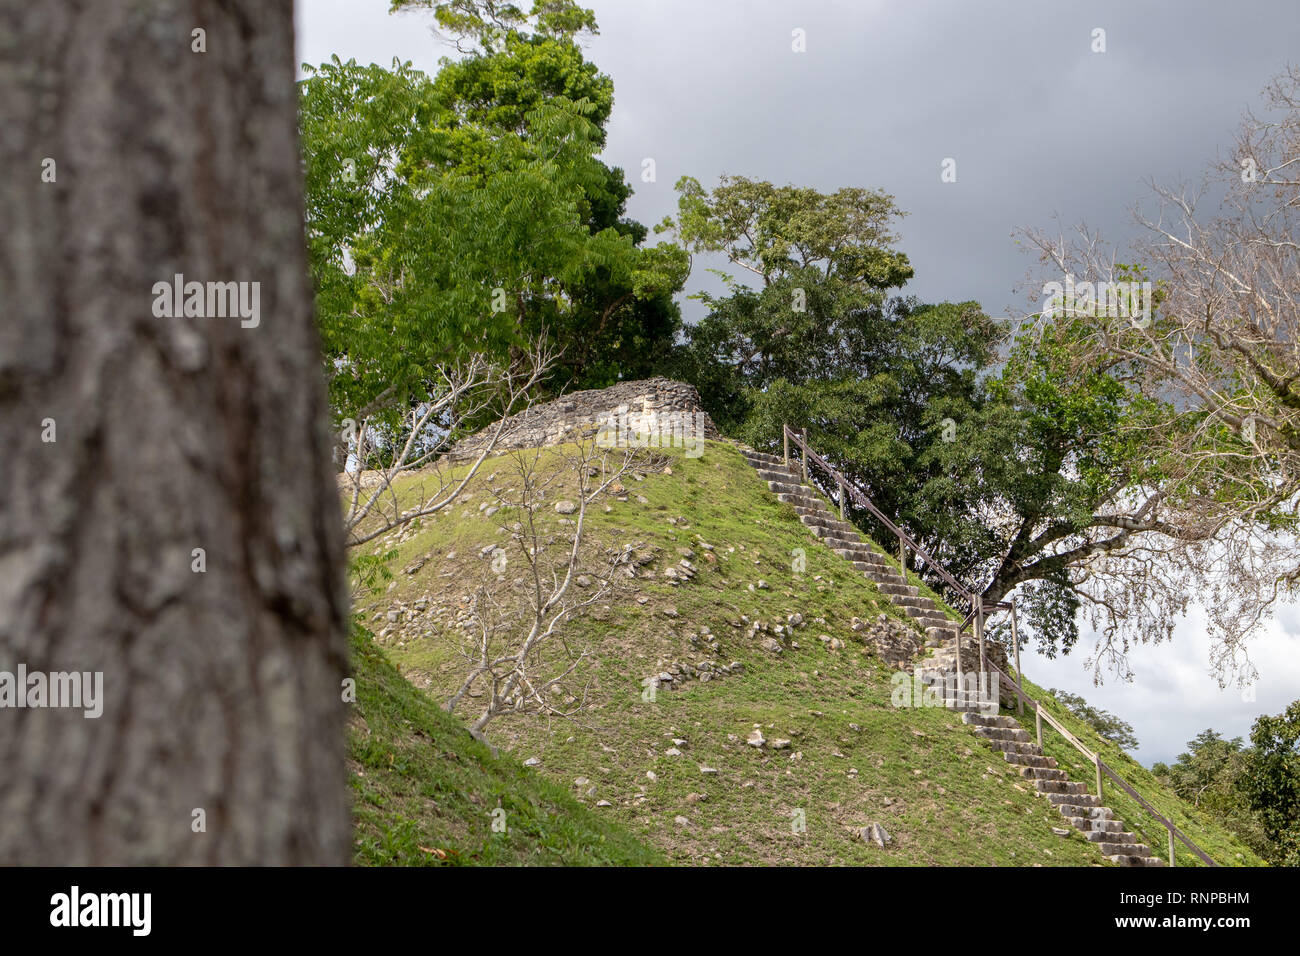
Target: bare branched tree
(376,504)
(1221,355)
(520,656)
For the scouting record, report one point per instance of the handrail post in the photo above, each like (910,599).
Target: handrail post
(902,556)
(803,433)
(1171,847)
(1097,763)
(1015,640)
(979,633)
(961,684)
(843,492)
(785,444)
(1038,723)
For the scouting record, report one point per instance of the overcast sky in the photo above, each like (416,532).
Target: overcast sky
(1040,127)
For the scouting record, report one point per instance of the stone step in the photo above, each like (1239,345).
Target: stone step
(852,553)
(1075,801)
(879,578)
(1123,849)
(1111,827)
(1112,836)
(1042,773)
(1060,787)
(940,635)
(887,578)
(822,526)
(998,721)
(1091,809)
(795,495)
(1015,747)
(777,473)
(901,589)
(916,601)
(1028,760)
(1003,733)
(929,618)
(762,456)
(1123,860)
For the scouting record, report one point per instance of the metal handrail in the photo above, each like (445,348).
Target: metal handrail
(978,610)
(1042,714)
(864,502)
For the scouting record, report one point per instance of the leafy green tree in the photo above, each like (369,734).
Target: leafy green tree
(1211,775)
(1271,782)
(467,214)
(1105,723)
(1018,468)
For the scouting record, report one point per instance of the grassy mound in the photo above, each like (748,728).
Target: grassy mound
(677,769)
(425,792)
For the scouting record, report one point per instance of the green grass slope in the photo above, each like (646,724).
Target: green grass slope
(425,793)
(677,770)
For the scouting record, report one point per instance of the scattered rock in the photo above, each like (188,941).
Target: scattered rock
(875,833)
(681,821)
(565,507)
(532,762)
(781,744)
(756,738)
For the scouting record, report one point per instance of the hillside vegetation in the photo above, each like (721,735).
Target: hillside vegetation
(425,792)
(677,770)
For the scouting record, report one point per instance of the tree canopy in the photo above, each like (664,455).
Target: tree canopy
(468,213)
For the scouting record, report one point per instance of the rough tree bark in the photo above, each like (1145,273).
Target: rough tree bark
(222,688)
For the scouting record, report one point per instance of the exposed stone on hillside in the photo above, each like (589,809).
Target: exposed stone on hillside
(652,412)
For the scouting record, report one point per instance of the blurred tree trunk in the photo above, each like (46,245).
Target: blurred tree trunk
(222,734)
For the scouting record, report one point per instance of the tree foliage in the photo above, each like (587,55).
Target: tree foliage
(467,215)
(1220,360)
(1106,724)
(1272,782)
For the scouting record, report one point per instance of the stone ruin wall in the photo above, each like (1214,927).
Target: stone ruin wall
(657,412)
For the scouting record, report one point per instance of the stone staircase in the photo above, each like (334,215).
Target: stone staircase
(1081,809)
(845,540)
